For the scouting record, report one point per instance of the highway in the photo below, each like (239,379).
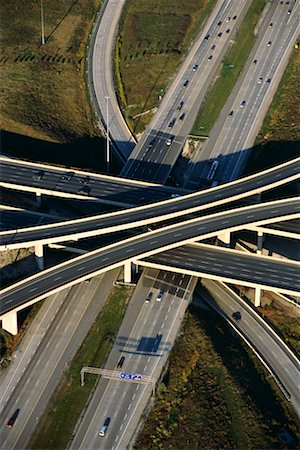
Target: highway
(152,213)
(263,339)
(57,333)
(234,133)
(71,272)
(154,156)
(145,339)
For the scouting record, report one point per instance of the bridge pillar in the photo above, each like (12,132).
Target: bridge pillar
(38,198)
(127,272)
(257,297)
(225,238)
(39,255)
(10,322)
(260,240)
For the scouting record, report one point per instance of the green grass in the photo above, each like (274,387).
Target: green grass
(70,399)
(232,66)
(45,109)
(215,394)
(154,36)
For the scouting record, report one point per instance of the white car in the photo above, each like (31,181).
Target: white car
(160,296)
(169,141)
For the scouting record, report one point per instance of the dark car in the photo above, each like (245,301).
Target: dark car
(13,418)
(210,58)
(255,61)
(121,362)
(234,17)
(219,23)
(219,35)
(180,105)
(231,113)
(172,123)
(85,190)
(195,67)
(228,30)
(213,47)
(149,296)
(237,315)
(151,143)
(67,176)
(207,37)
(268,80)
(84,180)
(186,83)
(104,426)
(182,116)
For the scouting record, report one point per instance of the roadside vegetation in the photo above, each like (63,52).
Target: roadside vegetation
(45,109)
(215,394)
(279,137)
(70,399)
(231,69)
(153,38)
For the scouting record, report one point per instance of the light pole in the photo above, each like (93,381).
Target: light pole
(107,134)
(42,23)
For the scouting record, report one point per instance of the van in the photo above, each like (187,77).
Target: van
(104,426)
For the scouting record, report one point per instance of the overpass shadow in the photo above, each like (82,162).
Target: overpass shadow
(145,345)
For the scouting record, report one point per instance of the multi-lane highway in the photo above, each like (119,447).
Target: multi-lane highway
(234,133)
(147,244)
(152,213)
(154,156)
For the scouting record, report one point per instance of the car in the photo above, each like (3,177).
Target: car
(195,67)
(237,315)
(242,104)
(84,180)
(210,58)
(169,141)
(212,47)
(149,296)
(268,80)
(13,418)
(219,35)
(228,30)
(172,123)
(180,105)
(104,426)
(289,11)
(219,23)
(259,80)
(281,2)
(271,24)
(269,43)
(175,195)
(255,61)
(182,116)
(160,296)
(228,19)
(207,37)
(186,83)
(67,176)
(37,176)
(85,190)
(231,113)
(234,17)
(151,143)
(121,362)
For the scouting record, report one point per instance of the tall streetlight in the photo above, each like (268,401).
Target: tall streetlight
(107,134)
(42,23)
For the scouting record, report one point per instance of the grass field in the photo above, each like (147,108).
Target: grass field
(46,112)
(70,399)
(232,66)
(279,137)
(216,395)
(153,38)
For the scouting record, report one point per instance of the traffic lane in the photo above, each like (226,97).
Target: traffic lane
(243,267)
(181,206)
(262,339)
(153,241)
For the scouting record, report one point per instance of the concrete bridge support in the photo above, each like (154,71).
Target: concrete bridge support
(225,238)
(38,199)
(10,322)
(260,241)
(39,255)
(127,272)
(257,297)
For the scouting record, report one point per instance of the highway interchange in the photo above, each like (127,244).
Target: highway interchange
(108,403)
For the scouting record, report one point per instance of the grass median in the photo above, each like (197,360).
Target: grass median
(232,66)
(153,38)
(215,394)
(70,399)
